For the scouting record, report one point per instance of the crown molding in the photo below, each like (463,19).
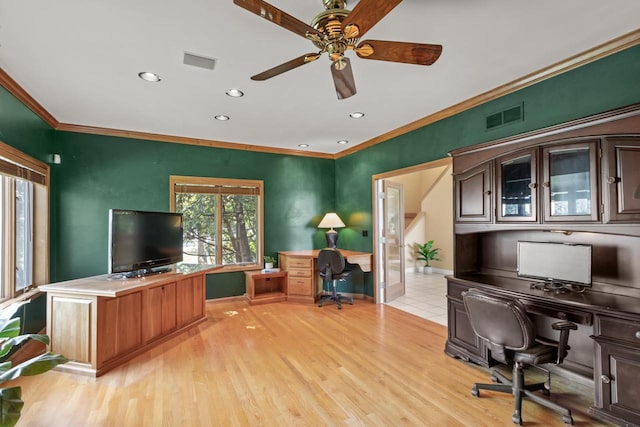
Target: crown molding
(16,90)
(188,141)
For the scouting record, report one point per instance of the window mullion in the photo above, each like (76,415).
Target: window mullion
(218,218)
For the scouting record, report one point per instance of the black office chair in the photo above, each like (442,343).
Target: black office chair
(331,266)
(511,336)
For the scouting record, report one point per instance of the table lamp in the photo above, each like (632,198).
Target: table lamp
(331,220)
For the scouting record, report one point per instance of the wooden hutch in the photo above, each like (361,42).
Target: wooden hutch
(579,183)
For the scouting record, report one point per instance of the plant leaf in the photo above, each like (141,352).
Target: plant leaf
(10,328)
(35,366)
(10,406)
(7,345)
(7,313)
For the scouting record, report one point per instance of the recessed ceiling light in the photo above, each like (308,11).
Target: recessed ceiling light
(221,117)
(356,115)
(303,145)
(150,77)
(235,93)
(343,141)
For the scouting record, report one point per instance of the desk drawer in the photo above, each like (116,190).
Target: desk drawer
(299,263)
(299,286)
(299,273)
(620,329)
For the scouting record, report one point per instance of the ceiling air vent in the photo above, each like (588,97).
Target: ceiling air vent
(199,61)
(510,115)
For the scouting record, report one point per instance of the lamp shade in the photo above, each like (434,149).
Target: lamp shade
(331,220)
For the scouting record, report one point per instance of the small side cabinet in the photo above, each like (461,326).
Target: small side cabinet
(262,288)
(617,370)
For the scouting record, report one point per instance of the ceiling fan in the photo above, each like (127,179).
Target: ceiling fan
(336,30)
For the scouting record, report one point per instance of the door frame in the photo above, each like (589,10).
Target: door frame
(376,180)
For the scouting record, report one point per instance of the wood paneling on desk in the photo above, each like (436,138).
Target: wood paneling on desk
(304,283)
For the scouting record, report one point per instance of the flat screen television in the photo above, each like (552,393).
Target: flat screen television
(140,242)
(558,264)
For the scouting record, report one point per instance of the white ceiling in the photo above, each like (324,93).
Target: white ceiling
(80,59)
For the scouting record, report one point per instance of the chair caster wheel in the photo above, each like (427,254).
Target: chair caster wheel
(567,419)
(494,379)
(517,419)
(475,392)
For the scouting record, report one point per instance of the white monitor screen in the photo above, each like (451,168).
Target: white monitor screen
(558,262)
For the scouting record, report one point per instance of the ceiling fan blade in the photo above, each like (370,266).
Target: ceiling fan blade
(289,65)
(343,78)
(365,15)
(409,53)
(275,15)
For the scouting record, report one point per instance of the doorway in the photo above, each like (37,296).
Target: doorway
(427,189)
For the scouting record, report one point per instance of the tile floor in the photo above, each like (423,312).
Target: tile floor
(425,296)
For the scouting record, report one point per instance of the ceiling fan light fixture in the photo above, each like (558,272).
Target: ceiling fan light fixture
(221,117)
(149,77)
(235,93)
(356,115)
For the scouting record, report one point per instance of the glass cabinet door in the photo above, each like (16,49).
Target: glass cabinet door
(570,182)
(516,185)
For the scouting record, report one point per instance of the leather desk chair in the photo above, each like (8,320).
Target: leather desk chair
(331,266)
(511,336)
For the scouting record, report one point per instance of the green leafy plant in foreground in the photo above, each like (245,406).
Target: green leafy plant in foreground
(10,398)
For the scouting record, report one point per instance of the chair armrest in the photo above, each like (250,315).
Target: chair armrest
(564,326)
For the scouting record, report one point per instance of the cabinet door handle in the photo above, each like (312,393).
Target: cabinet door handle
(605,379)
(532,185)
(613,179)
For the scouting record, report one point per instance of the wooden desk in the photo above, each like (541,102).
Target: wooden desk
(98,323)
(612,321)
(305,284)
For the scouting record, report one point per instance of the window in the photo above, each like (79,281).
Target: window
(222,220)
(24,222)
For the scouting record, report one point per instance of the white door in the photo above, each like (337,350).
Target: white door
(392,240)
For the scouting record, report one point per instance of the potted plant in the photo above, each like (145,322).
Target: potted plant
(427,253)
(10,397)
(269,262)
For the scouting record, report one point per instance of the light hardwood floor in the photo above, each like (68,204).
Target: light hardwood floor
(286,364)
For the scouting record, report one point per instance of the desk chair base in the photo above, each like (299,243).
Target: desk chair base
(335,297)
(521,391)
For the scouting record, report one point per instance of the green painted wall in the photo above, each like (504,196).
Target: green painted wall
(606,84)
(24,130)
(98,173)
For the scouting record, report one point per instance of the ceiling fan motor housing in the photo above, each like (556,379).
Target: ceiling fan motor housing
(329,23)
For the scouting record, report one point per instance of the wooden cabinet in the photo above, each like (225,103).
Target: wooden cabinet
(161,310)
(621,179)
(570,182)
(302,282)
(517,187)
(474,195)
(99,323)
(190,303)
(262,288)
(462,341)
(120,326)
(617,370)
